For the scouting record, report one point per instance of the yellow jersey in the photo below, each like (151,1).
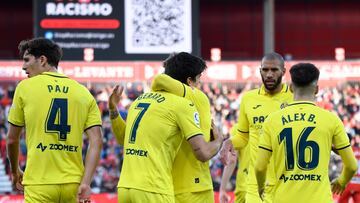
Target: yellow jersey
(243,163)
(189,174)
(152,139)
(300,138)
(55,111)
(255,106)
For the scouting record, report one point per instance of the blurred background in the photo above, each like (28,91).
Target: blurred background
(108,42)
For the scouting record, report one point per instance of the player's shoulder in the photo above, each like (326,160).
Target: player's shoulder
(253,93)
(201,95)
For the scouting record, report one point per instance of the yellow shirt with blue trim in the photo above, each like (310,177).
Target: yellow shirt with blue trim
(255,106)
(55,111)
(156,125)
(300,139)
(189,174)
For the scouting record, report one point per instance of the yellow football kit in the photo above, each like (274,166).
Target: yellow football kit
(190,176)
(300,139)
(55,111)
(152,139)
(255,106)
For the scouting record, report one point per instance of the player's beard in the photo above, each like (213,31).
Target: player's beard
(274,86)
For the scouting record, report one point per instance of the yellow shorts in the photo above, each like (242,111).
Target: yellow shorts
(130,195)
(252,195)
(206,196)
(64,193)
(240,196)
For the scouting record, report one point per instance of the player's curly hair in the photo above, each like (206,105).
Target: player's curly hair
(181,66)
(304,74)
(41,47)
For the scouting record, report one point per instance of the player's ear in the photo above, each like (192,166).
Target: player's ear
(283,71)
(189,81)
(316,89)
(43,60)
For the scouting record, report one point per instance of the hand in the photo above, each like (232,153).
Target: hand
(261,192)
(227,152)
(17,179)
(215,132)
(84,193)
(115,97)
(224,197)
(336,187)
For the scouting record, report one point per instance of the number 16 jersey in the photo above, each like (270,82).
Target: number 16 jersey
(300,137)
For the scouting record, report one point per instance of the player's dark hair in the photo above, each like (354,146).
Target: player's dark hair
(181,66)
(303,74)
(41,46)
(274,56)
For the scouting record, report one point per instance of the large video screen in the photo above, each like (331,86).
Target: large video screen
(119,29)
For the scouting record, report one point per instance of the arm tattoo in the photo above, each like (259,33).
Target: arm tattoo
(113,114)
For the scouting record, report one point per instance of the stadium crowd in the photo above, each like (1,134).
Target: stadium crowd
(343,100)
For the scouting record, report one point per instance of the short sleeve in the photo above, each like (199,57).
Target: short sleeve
(16,113)
(340,138)
(94,117)
(188,119)
(243,123)
(265,136)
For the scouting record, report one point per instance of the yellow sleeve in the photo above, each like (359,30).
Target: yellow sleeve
(16,113)
(240,140)
(163,82)
(340,138)
(187,118)
(203,106)
(350,165)
(241,137)
(94,115)
(118,127)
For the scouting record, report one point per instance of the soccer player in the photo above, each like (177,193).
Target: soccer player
(300,137)
(191,177)
(55,112)
(157,123)
(255,106)
(241,175)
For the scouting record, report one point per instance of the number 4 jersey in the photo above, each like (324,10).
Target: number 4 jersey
(300,137)
(55,111)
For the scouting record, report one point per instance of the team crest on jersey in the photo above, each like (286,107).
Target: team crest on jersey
(197,119)
(283,105)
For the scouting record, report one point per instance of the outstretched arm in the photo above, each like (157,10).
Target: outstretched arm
(163,82)
(117,123)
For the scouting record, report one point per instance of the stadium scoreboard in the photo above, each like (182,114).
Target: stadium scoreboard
(119,29)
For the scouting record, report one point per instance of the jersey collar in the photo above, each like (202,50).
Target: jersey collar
(285,88)
(55,74)
(302,102)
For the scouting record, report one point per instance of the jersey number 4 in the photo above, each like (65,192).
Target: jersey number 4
(304,163)
(143,108)
(57,118)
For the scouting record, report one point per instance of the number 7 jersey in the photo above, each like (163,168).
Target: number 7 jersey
(300,137)
(55,111)
(156,125)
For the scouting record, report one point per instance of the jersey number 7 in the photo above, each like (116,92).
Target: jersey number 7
(143,108)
